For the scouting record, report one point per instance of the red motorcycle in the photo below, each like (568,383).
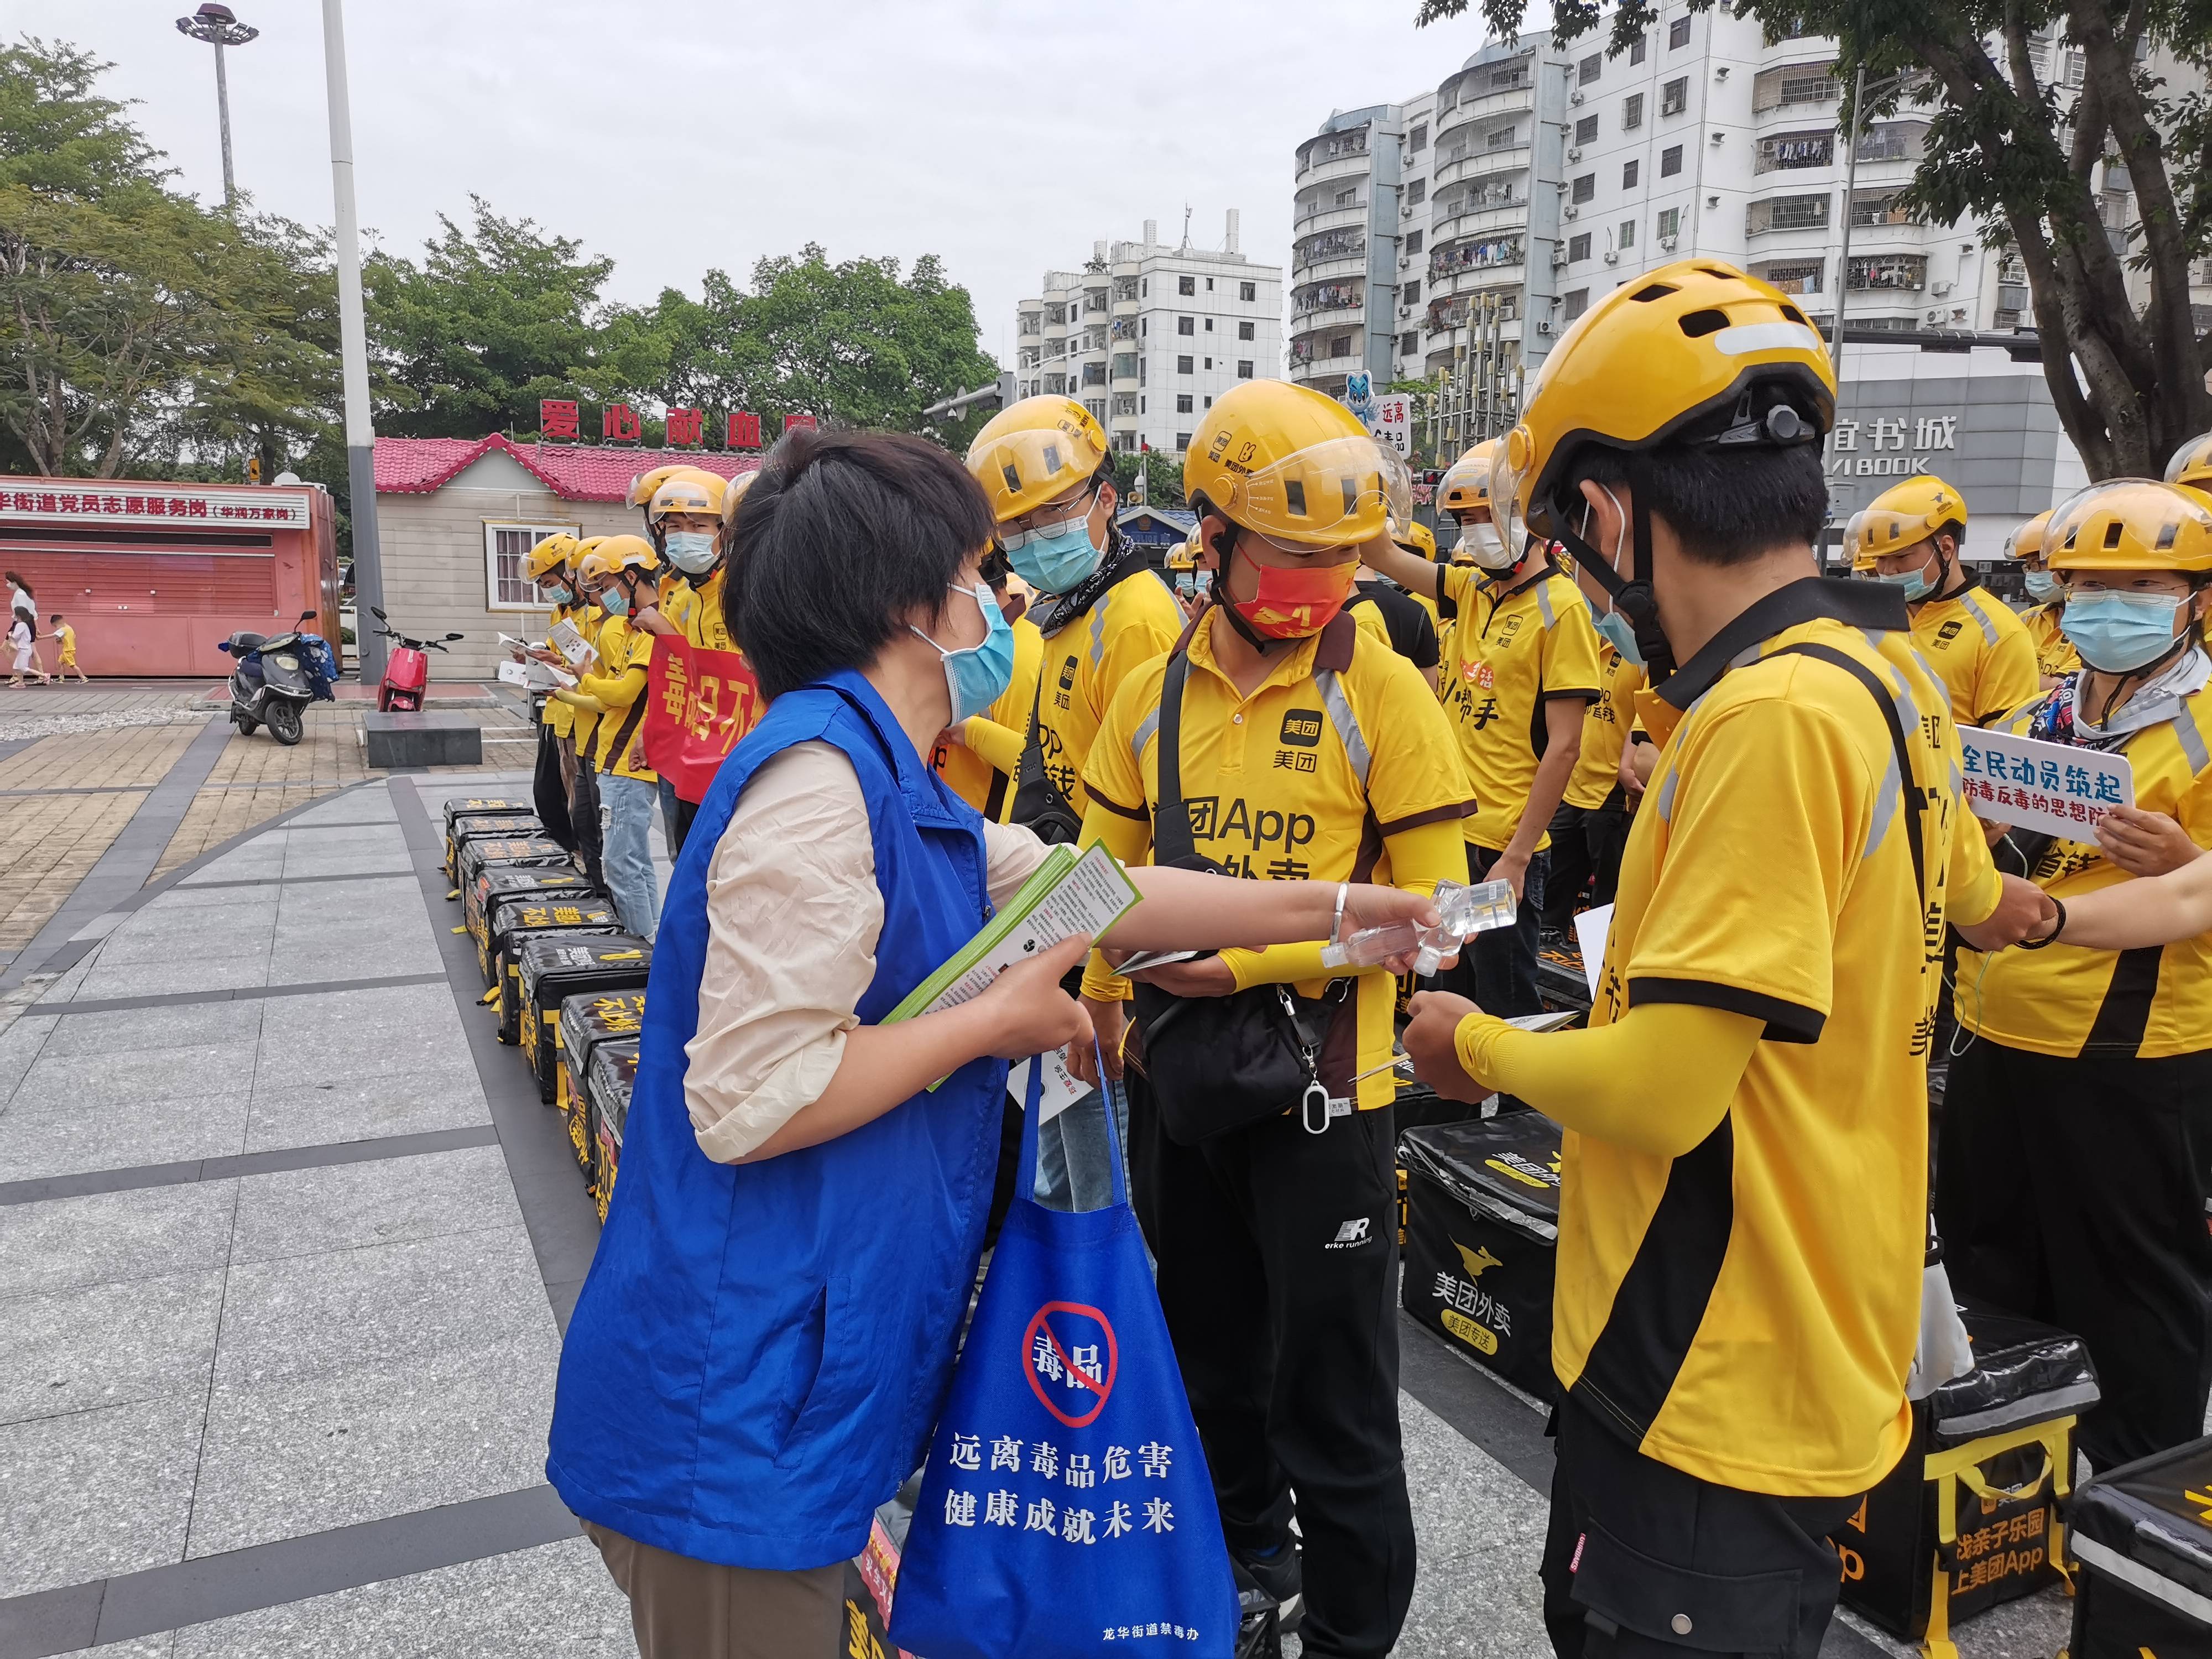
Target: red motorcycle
(407,669)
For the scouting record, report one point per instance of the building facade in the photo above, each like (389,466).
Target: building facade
(1457,233)
(1147,336)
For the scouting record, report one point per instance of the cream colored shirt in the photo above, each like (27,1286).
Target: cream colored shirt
(792,915)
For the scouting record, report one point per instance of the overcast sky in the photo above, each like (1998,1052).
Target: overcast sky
(680,136)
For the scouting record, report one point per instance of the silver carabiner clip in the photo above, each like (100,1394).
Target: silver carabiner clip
(1315,1093)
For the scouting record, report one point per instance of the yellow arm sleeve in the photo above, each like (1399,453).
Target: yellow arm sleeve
(1658,1081)
(1000,746)
(1130,839)
(1419,858)
(614,690)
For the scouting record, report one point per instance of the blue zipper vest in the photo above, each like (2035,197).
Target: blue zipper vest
(760,1351)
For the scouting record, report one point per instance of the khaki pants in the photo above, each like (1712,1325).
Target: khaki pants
(681,1609)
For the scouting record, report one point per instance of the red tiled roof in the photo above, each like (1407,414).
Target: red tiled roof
(576,472)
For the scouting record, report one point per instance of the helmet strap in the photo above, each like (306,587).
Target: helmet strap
(1225,550)
(1632,596)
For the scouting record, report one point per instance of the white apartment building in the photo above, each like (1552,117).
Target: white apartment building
(1460,231)
(1147,336)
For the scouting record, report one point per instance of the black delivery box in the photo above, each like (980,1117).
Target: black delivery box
(607,1085)
(480,806)
(531,851)
(481,826)
(587,1022)
(553,970)
(519,923)
(2141,1535)
(517,883)
(1969,1517)
(1482,1232)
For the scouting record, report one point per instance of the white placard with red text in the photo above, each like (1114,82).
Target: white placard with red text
(2049,786)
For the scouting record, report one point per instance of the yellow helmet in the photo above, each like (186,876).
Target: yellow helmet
(1910,511)
(1416,537)
(1853,549)
(1180,557)
(1288,463)
(2193,464)
(1040,448)
(2026,542)
(2131,524)
(1694,351)
(611,553)
(642,486)
(732,493)
(556,552)
(685,492)
(1466,481)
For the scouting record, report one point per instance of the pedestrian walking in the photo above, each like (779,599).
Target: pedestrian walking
(22,639)
(64,639)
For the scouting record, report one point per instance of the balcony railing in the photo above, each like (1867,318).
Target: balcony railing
(1795,149)
(1350,243)
(1327,296)
(1787,213)
(1904,272)
(1450,261)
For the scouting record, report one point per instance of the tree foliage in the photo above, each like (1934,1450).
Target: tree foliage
(2020,158)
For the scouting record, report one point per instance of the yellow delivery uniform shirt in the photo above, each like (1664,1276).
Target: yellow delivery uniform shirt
(1083,666)
(1288,784)
(2054,653)
(625,664)
(1746,1313)
(2070,1002)
(1980,651)
(981,771)
(1514,647)
(1605,731)
(697,612)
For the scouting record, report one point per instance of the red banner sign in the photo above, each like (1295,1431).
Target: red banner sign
(282,509)
(698,703)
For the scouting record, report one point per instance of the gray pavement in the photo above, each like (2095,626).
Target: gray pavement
(291,1243)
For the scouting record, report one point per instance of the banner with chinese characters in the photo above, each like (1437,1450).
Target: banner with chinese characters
(2049,786)
(701,702)
(1066,1506)
(159,504)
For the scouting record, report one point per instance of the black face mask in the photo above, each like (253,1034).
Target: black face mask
(1632,596)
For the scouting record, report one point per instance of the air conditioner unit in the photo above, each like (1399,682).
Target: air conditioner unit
(1575,97)
(1543,325)
(1405,310)
(1667,242)
(1559,262)
(1572,212)
(1939,289)
(1612,257)
(1574,155)
(1720,138)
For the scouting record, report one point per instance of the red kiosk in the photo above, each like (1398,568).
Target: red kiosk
(153,576)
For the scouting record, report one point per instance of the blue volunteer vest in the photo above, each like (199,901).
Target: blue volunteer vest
(760,1351)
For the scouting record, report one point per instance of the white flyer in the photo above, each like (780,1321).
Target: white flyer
(1590,929)
(563,637)
(1060,1090)
(2050,786)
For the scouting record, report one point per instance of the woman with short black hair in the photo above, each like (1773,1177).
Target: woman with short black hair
(757,1357)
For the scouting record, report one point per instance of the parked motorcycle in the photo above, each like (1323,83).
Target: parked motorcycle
(407,669)
(276,677)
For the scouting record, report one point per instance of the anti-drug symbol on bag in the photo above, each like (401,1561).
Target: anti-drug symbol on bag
(1069,1355)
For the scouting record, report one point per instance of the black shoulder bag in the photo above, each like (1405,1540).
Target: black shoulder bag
(1222,1063)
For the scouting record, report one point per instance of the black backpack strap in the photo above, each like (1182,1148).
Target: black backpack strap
(1916,798)
(1039,802)
(1172,841)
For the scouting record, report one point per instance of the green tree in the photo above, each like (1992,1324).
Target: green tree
(852,344)
(1163,479)
(2020,158)
(495,318)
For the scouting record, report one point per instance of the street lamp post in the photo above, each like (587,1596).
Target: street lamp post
(353,351)
(219,26)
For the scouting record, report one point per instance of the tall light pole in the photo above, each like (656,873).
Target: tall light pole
(219,26)
(1851,205)
(353,342)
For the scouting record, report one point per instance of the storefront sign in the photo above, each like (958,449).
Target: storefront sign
(261,510)
(685,426)
(1889,445)
(1393,420)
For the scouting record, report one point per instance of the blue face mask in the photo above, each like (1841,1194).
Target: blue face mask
(977,675)
(615,601)
(1616,632)
(2042,585)
(1915,583)
(554,594)
(1055,561)
(691,551)
(2117,632)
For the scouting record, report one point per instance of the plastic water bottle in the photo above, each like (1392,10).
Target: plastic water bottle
(1463,912)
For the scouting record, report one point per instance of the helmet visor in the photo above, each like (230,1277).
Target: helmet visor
(1505,510)
(1397,491)
(1022,470)
(1324,495)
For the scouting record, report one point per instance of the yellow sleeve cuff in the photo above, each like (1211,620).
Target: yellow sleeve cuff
(1477,1041)
(1102,984)
(1277,965)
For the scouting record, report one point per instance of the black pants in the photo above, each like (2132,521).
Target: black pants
(584,819)
(1643,1561)
(1278,1258)
(2073,1191)
(1498,969)
(1586,847)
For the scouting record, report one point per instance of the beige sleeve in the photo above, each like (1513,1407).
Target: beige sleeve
(792,917)
(1013,852)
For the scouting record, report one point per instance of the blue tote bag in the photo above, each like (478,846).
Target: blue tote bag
(1067,1508)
